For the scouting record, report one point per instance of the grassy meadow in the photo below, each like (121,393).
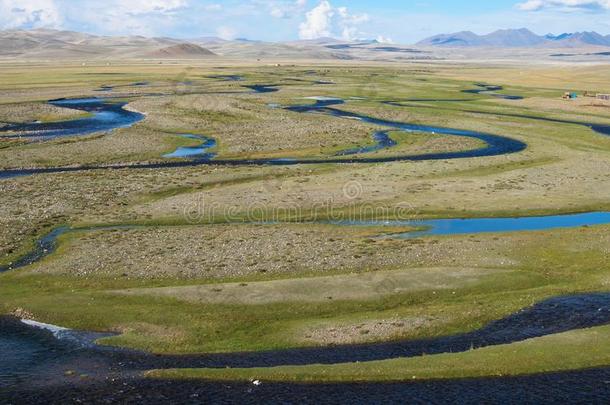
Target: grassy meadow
(230,259)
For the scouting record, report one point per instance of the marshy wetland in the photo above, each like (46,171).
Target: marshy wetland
(413,228)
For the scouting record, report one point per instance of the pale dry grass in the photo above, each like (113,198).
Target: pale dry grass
(358,286)
(217,252)
(138,144)
(29,112)
(244,125)
(362,332)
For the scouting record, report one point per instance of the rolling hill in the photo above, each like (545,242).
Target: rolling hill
(181,51)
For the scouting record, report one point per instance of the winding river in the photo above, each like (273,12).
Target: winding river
(494,144)
(41,353)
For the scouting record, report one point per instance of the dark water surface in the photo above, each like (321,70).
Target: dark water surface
(382,141)
(227,78)
(491,90)
(109,88)
(38,360)
(582,387)
(263,88)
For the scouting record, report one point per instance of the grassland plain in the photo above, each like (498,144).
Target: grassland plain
(169,286)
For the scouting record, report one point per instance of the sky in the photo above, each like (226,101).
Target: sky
(392,21)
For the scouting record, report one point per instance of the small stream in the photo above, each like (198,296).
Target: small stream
(491,90)
(603,129)
(382,141)
(105,116)
(47,244)
(201,151)
(461,226)
(108,88)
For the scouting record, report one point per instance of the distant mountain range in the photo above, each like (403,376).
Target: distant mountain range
(46,44)
(52,44)
(517,38)
(43,44)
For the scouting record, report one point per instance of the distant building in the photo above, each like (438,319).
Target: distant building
(603,97)
(569,95)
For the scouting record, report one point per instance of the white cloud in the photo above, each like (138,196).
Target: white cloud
(318,22)
(564,5)
(384,40)
(277,12)
(213,7)
(29,14)
(227,33)
(324,20)
(285,9)
(126,17)
(145,17)
(140,7)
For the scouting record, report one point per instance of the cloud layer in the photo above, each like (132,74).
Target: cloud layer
(282,20)
(29,14)
(137,16)
(324,20)
(564,5)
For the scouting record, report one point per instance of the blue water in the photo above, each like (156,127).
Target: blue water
(263,88)
(107,88)
(382,141)
(453,226)
(457,226)
(109,116)
(32,354)
(105,116)
(199,152)
(21,354)
(602,129)
(491,90)
(227,78)
(495,144)
(43,247)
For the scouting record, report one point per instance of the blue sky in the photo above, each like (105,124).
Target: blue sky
(284,20)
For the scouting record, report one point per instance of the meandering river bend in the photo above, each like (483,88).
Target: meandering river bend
(35,359)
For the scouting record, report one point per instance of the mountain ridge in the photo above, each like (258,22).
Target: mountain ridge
(516,38)
(46,44)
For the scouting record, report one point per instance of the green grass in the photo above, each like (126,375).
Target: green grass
(89,303)
(538,265)
(559,352)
